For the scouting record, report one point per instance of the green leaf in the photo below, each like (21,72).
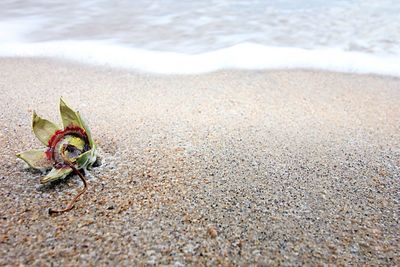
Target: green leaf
(69,117)
(86,128)
(36,159)
(86,159)
(56,174)
(43,129)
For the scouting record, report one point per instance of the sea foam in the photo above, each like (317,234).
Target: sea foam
(248,56)
(358,36)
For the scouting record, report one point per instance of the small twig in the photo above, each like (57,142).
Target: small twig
(71,204)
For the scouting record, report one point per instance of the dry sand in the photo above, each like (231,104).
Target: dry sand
(228,168)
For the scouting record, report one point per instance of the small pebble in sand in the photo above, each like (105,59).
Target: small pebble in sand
(212,232)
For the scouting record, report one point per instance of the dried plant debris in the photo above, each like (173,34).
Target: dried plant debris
(68,149)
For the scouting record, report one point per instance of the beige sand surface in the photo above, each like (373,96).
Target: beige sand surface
(228,168)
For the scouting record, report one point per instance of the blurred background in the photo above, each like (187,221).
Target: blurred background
(368,26)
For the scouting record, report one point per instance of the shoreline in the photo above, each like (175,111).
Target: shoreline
(65,62)
(242,56)
(226,168)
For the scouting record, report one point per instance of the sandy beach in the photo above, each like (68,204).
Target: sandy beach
(232,168)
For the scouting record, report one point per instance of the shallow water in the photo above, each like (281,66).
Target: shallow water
(197,27)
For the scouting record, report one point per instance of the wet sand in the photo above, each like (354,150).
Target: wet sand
(228,168)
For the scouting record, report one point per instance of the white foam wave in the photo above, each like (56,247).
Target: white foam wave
(242,56)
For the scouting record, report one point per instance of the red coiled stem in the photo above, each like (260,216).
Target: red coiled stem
(71,204)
